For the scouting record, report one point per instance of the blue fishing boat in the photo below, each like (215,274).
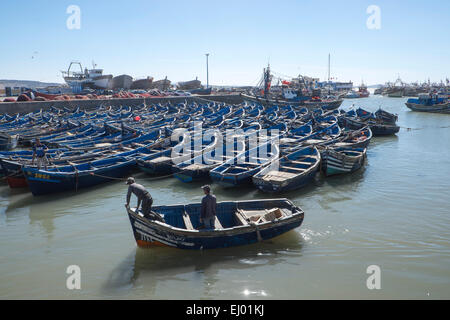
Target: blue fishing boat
(364,114)
(352,139)
(352,95)
(430,103)
(378,128)
(73,178)
(381,129)
(237,223)
(323,135)
(386,117)
(8,142)
(198,168)
(12,165)
(240,169)
(302,131)
(83,175)
(290,172)
(342,160)
(161,160)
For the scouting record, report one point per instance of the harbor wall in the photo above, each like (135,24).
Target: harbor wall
(12,108)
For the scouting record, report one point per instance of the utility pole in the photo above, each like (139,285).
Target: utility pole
(207,71)
(328,67)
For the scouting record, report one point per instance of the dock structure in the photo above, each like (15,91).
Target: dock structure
(31,106)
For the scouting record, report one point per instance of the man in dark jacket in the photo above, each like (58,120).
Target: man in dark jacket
(142,195)
(208,211)
(39,153)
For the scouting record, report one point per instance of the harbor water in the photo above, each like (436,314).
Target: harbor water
(394,213)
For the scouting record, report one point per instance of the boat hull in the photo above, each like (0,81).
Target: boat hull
(155,169)
(295,184)
(17,182)
(231,181)
(396,94)
(8,142)
(376,128)
(291,172)
(150,233)
(331,105)
(335,163)
(191,175)
(436,108)
(384,130)
(46,182)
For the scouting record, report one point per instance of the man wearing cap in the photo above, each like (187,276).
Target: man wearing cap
(208,211)
(39,153)
(142,195)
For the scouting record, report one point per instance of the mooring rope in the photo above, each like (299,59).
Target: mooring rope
(409,129)
(12,174)
(124,179)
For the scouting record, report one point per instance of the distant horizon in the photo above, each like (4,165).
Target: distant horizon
(214,85)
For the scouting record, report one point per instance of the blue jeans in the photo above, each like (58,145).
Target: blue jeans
(209,222)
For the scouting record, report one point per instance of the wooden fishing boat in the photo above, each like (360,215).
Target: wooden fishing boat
(377,128)
(382,129)
(16,181)
(14,159)
(386,117)
(162,161)
(310,104)
(237,223)
(352,139)
(342,160)
(73,178)
(14,167)
(198,168)
(8,142)
(240,169)
(429,103)
(327,135)
(290,172)
(83,175)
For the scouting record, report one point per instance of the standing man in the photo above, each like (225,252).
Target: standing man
(39,153)
(208,211)
(142,195)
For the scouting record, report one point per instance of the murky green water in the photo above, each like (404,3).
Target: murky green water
(394,213)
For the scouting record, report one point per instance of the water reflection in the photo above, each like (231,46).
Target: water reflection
(146,268)
(247,192)
(383,141)
(83,197)
(44,219)
(351,180)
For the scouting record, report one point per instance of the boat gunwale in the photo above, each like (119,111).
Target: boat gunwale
(236,230)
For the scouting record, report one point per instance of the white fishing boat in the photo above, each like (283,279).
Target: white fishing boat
(352,94)
(87,78)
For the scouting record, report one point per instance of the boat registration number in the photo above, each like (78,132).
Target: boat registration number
(42,176)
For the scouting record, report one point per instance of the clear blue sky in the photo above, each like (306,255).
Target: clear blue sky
(170,38)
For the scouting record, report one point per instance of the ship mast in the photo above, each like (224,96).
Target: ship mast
(267,80)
